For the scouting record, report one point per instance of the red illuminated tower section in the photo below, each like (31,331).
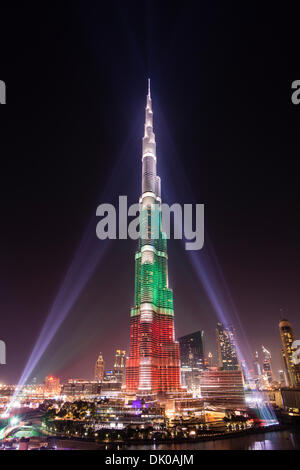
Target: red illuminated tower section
(153,366)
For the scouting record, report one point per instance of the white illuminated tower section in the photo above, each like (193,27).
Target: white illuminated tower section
(153,366)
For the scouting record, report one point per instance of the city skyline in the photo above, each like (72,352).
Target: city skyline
(241,168)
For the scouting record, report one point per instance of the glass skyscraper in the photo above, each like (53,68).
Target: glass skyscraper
(192,349)
(119,364)
(226,347)
(267,366)
(192,359)
(287,338)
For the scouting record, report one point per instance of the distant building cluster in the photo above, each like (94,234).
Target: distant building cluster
(222,383)
(226,379)
(158,368)
(106,383)
(221,380)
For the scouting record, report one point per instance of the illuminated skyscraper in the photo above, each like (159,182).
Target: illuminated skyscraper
(52,385)
(287,338)
(153,366)
(267,367)
(120,360)
(99,368)
(223,387)
(192,350)
(192,359)
(119,364)
(226,347)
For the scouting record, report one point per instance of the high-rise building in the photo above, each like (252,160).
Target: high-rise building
(120,360)
(52,385)
(287,338)
(223,387)
(267,367)
(119,364)
(192,349)
(227,354)
(257,375)
(153,366)
(192,359)
(99,369)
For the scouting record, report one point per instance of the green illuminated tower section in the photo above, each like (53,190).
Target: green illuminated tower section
(153,366)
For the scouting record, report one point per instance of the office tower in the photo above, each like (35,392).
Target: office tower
(192,360)
(52,385)
(153,366)
(227,355)
(287,338)
(99,368)
(120,360)
(257,375)
(192,349)
(267,367)
(223,387)
(210,359)
(119,364)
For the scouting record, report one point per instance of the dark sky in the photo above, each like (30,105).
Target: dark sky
(228,137)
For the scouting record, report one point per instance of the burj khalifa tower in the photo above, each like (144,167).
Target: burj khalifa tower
(153,365)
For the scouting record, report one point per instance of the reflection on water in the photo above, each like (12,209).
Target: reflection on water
(283,440)
(261,445)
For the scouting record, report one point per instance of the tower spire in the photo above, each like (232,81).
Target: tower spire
(149,145)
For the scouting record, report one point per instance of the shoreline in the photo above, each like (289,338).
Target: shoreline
(212,437)
(150,444)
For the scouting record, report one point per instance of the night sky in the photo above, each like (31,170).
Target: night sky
(227,136)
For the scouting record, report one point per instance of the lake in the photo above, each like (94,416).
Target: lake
(280,440)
